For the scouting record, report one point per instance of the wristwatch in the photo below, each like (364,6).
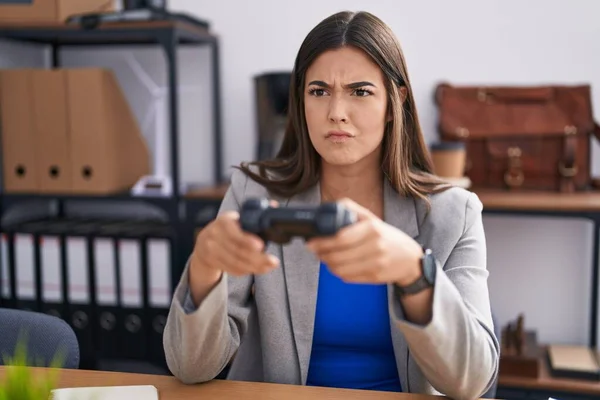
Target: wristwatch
(426,280)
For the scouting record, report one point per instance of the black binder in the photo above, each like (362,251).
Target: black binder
(157,238)
(23,257)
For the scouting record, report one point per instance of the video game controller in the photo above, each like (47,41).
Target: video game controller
(282,224)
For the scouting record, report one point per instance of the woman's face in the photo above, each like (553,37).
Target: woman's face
(345,102)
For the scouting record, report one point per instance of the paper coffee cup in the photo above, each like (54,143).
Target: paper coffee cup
(448,159)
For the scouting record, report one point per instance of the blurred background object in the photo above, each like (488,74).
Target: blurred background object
(271,92)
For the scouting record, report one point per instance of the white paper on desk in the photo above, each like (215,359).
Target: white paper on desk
(146,392)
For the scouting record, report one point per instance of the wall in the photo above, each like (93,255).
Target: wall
(537,266)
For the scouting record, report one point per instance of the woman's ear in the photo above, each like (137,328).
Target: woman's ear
(403,93)
(390,115)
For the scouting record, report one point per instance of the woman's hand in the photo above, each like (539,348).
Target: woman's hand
(370,251)
(222,246)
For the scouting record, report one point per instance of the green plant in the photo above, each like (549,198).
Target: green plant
(21,382)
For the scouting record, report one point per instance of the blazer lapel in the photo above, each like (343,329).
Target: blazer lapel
(400,212)
(301,270)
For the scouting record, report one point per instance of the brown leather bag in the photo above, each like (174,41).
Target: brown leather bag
(535,137)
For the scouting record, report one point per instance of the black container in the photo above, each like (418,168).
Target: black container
(137,4)
(272,92)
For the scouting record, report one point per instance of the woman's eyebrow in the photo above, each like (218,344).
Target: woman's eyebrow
(353,85)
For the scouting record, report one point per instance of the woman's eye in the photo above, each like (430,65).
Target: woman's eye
(317,92)
(362,92)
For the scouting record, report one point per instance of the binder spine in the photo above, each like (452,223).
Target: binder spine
(39,290)
(91,283)
(12,270)
(64,274)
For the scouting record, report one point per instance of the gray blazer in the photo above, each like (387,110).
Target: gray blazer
(267,321)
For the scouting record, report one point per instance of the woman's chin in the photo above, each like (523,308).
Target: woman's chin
(341,160)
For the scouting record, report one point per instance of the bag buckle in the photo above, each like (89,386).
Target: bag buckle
(567,172)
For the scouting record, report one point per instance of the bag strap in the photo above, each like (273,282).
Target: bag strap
(595,182)
(567,166)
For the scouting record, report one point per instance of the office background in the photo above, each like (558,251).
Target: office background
(538,266)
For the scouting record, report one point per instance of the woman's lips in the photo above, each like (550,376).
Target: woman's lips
(338,136)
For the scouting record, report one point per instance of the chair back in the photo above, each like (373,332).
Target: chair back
(45,337)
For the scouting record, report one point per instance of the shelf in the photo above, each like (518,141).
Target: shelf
(212,193)
(196,198)
(540,202)
(548,382)
(114,33)
(9,200)
(176,224)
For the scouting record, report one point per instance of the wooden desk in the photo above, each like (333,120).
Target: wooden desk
(169,388)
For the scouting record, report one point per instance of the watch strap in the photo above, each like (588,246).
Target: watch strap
(423,282)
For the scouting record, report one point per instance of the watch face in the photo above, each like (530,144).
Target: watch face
(429,267)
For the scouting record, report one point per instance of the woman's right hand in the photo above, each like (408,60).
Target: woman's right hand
(222,246)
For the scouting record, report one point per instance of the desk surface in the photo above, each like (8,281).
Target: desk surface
(169,388)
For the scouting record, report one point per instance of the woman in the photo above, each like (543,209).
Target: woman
(397,301)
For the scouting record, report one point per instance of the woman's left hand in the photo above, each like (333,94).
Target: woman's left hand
(369,251)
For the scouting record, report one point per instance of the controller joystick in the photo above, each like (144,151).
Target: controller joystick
(282,224)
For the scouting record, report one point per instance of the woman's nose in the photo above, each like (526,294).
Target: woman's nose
(337,110)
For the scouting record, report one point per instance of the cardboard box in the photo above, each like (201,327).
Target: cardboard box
(69,131)
(49,11)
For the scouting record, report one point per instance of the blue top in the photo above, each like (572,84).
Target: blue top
(352,344)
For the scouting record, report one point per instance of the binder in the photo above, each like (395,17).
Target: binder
(26,269)
(107,296)
(5,294)
(159,256)
(51,260)
(51,130)
(133,277)
(48,260)
(79,253)
(108,152)
(60,254)
(129,331)
(18,137)
(8,277)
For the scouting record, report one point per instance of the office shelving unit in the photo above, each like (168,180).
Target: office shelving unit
(179,226)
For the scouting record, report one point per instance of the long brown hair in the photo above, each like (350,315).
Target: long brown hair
(405,158)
